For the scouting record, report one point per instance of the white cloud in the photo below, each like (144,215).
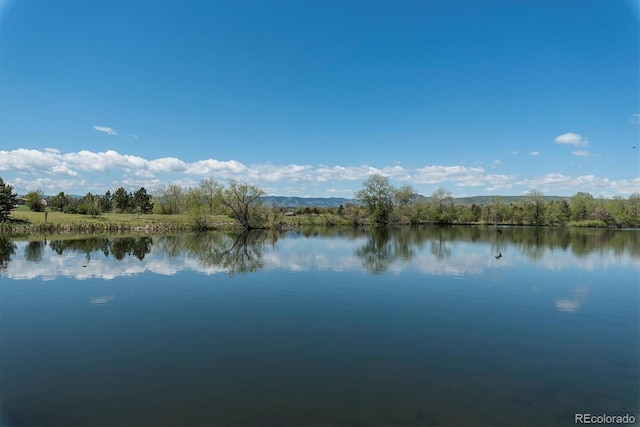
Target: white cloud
(167,165)
(499,182)
(105,129)
(340,192)
(226,169)
(571,138)
(581,153)
(534,153)
(557,181)
(635,118)
(514,152)
(472,176)
(24,160)
(50,169)
(48,185)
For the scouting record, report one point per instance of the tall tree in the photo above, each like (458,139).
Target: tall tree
(122,200)
(441,202)
(209,189)
(105,202)
(8,200)
(243,200)
(582,206)
(142,201)
(171,199)
(558,213)
(534,208)
(377,196)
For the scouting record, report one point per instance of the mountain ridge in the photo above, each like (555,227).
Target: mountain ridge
(297,202)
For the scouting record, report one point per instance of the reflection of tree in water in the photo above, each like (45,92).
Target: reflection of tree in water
(33,251)
(240,252)
(7,248)
(534,247)
(118,247)
(127,246)
(384,247)
(438,246)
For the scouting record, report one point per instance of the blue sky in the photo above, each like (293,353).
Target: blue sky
(309,98)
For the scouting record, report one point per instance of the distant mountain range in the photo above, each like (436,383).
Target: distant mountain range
(303,202)
(332,202)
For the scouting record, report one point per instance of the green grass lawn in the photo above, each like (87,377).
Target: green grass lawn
(24,220)
(23,214)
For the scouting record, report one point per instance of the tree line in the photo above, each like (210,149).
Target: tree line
(121,201)
(238,200)
(386,204)
(379,204)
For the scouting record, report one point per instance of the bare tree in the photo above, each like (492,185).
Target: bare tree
(244,201)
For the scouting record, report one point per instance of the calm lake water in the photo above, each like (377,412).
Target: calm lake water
(420,326)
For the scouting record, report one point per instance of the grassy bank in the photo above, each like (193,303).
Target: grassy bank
(25,221)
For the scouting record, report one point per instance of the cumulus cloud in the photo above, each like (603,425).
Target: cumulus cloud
(30,161)
(211,167)
(85,170)
(48,185)
(635,118)
(472,176)
(534,153)
(105,129)
(558,181)
(571,138)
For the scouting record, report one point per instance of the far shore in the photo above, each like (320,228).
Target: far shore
(34,223)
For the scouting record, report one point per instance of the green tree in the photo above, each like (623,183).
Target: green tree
(634,209)
(582,206)
(59,202)
(534,208)
(8,200)
(440,205)
(209,190)
(405,199)
(476,211)
(497,210)
(105,202)
(377,197)
(171,199)
(244,202)
(89,205)
(122,200)
(558,213)
(142,201)
(34,200)
(405,195)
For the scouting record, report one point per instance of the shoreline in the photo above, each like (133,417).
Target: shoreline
(80,228)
